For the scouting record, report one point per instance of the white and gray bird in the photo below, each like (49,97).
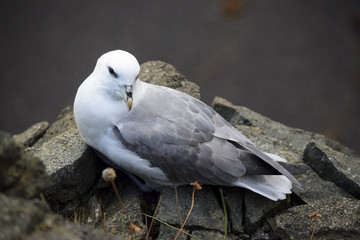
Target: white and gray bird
(166,137)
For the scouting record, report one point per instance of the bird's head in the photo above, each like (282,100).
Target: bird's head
(118,71)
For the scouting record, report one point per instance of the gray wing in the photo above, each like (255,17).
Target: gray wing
(189,141)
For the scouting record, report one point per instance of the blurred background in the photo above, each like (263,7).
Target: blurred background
(297,62)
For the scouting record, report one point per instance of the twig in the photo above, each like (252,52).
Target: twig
(196,187)
(314,216)
(104,223)
(152,220)
(122,224)
(179,210)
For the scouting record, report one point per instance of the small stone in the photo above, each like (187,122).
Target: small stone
(31,135)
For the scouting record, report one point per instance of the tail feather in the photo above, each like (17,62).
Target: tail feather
(274,187)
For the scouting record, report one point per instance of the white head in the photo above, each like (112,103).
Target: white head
(118,71)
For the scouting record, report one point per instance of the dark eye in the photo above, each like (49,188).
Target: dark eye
(112,72)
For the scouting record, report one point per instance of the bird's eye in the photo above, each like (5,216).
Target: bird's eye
(112,72)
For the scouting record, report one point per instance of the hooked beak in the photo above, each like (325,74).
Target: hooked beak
(126,92)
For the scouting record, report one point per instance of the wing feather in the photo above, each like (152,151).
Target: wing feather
(189,141)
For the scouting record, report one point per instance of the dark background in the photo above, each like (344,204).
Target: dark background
(296,62)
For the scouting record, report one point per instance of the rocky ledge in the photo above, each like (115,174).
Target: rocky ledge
(51,186)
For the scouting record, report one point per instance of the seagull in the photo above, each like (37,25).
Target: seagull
(162,137)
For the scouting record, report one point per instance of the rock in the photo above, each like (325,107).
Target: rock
(64,121)
(234,199)
(316,188)
(340,219)
(164,74)
(21,175)
(206,213)
(31,135)
(22,216)
(72,166)
(294,139)
(264,233)
(106,202)
(211,235)
(19,217)
(342,169)
(25,219)
(257,209)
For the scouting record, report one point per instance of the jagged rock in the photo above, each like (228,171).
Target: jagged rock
(208,235)
(21,175)
(106,202)
(316,188)
(206,213)
(258,208)
(30,220)
(21,215)
(342,169)
(31,135)
(294,139)
(234,199)
(72,166)
(164,74)
(64,121)
(340,219)
(264,233)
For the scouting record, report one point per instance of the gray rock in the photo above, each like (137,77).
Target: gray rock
(21,175)
(342,169)
(106,202)
(206,213)
(72,167)
(264,233)
(25,219)
(31,135)
(171,233)
(340,219)
(69,231)
(212,235)
(295,139)
(64,121)
(234,199)
(316,188)
(257,209)
(164,74)
(19,217)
